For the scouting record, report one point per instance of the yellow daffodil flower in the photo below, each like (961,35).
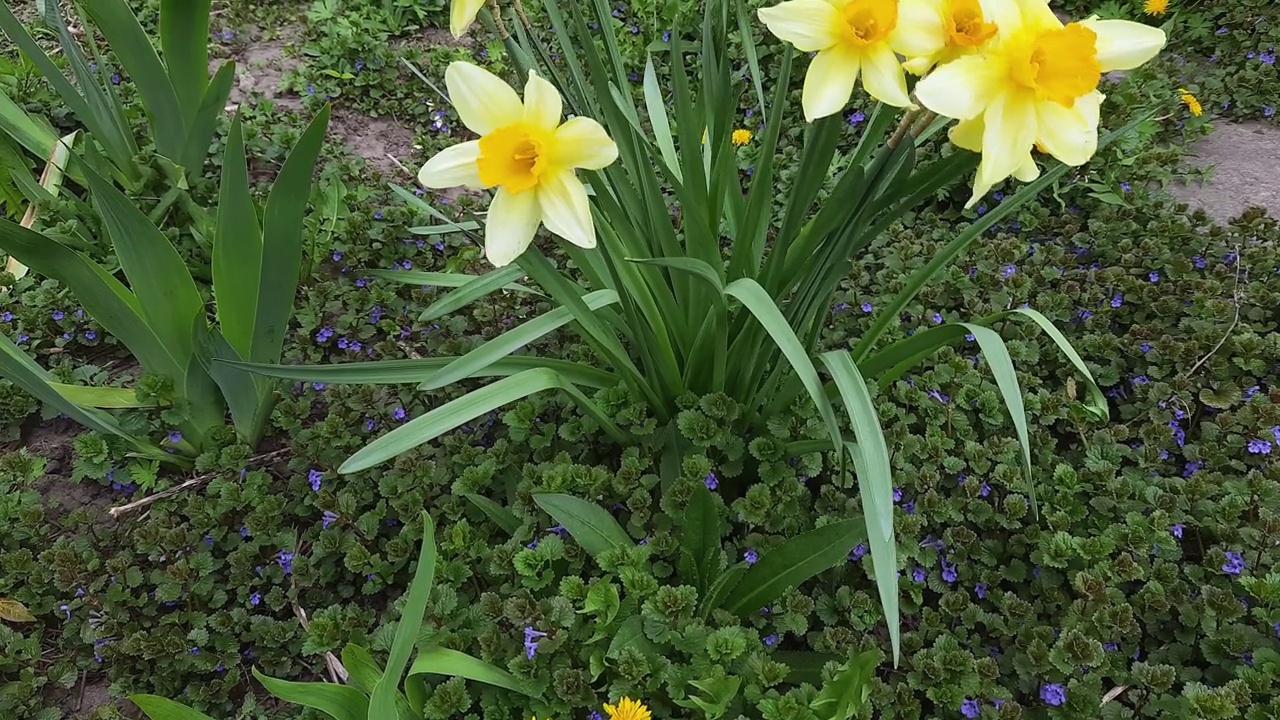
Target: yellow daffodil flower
(851,38)
(1036,85)
(741,137)
(947,29)
(1192,103)
(461,14)
(527,154)
(1156,7)
(627,709)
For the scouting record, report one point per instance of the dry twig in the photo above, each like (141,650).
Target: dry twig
(117,511)
(1235,294)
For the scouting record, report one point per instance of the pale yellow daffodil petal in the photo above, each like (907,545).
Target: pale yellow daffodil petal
(483,101)
(806,24)
(829,82)
(921,29)
(1124,45)
(967,134)
(565,209)
(509,229)
(453,166)
(1028,170)
(542,103)
(1007,139)
(461,14)
(962,88)
(884,78)
(583,143)
(1070,134)
(1006,14)
(1037,13)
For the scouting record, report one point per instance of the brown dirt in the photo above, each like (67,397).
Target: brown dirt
(378,141)
(261,65)
(61,494)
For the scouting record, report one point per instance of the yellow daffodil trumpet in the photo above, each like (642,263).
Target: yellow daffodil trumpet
(851,38)
(527,154)
(1034,86)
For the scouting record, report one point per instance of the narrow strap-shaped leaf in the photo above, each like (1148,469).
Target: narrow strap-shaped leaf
(17,367)
(875,484)
(205,122)
(442,661)
(656,107)
(721,589)
(105,398)
(159,708)
(131,46)
(1097,404)
(758,302)
(458,412)
(793,562)
(382,704)
(184,39)
(105,299)
(237,247)
(244,392)
(944,256)
(501,516)
(512,340)
(167,296)
(282,225)
(339,702)
(997,355)
(472,291)
(37,137)
(439,279)
(701,537)
(418,370)
(590,525)
(753,58)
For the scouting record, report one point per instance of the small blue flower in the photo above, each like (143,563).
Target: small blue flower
(327,519)
(1258,446)
(711,481)
(398,414)
(1008,271)
(1053,694)
(285,559)
(1145,347)
(751,556)
(970,708)
(980,590)
(1176,529)
(314,477)
(897,494)
(857,552)
(174,437)
(867,307)
(255,598)
(1153,276)
(949,572)
(918,574)
(58,315)
(1117,300)
(1234,565)
(936,318)
(770,640)
(531,637)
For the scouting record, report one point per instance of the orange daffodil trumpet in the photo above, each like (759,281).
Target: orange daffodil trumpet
(527,154)
(948,29)
(461,14)
(1034,86)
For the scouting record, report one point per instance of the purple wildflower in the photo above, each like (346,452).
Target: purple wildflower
(1176,529)
(970,708)
(1117,300)
(711,481)
(398,413)
(1258,446)
(174,437)
(949,572)
(897,494)
(985,490)
(1053,694)
(285,560)
(980,590)
(314,477)
(867,307)
(531,637)
(918,574)
(1153,276)
(1234,564)
(58,314)
(751,556)
(255,598)
(328,519)
(770,640)
(1008,271)
(857,552)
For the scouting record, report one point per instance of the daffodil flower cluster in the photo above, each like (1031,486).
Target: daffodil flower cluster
(1015,76)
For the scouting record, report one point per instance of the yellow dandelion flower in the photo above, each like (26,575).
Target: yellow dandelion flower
(741,137)
(527,153)
(1156,7)
(628,709)
(1191,102)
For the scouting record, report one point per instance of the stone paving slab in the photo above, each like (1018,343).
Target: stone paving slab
(1245,158)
